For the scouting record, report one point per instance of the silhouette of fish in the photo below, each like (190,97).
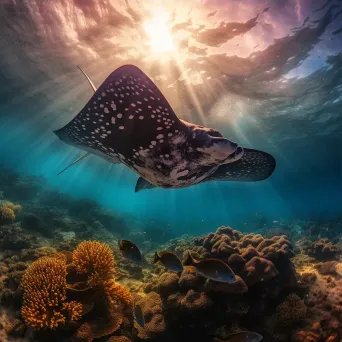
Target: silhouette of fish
(130,251)
(129,121)
(243,336)
(138,315)
(213,269)
(169,260)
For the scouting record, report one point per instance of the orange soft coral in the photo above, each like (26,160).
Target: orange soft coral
(306,336)
(96,260)
(73,309)
(44,284)
(117,293)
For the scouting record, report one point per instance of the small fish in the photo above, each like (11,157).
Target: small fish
(243,336)
(169,260)
(138,315)
(213,269)
(130,251)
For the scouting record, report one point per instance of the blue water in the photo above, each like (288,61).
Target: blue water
(292,112)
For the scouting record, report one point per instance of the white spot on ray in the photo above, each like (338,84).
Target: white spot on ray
(160,136)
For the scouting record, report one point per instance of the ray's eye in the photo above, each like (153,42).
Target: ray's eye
(214,133)
(200,135)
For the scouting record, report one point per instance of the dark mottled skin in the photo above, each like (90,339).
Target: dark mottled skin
(129,121)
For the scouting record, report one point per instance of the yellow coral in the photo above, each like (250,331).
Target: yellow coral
(7,214)
(44,284)
(15,207)
(96,260)
(8,210)
(117,293)
(291,310)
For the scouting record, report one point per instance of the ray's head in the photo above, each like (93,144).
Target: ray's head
(209,147)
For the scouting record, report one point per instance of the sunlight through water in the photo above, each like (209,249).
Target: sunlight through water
(160,39)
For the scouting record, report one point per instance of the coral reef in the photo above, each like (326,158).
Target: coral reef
(291,310)
(154,319)
(8,211)
(321,250)
(189,302)
(258,270)
(94,260)
(73,294)
(54,286)
(44,299)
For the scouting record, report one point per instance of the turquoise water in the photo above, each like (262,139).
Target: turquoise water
(283,97)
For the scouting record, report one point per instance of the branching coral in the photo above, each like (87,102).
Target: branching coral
(73,310)
(117,293)
(96,260)
(44,284)
(306,336)
(16,328)
(291,310)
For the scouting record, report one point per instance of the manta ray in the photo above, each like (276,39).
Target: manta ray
(129,121)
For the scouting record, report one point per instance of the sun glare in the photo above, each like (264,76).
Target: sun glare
(160,38)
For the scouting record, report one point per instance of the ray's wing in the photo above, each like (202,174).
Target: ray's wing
(126,116)
(254,166)
(143,184)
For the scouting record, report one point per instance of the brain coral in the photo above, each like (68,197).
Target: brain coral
(259,270)
(44,284)
(96,260)
(118,339)
(154,319)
